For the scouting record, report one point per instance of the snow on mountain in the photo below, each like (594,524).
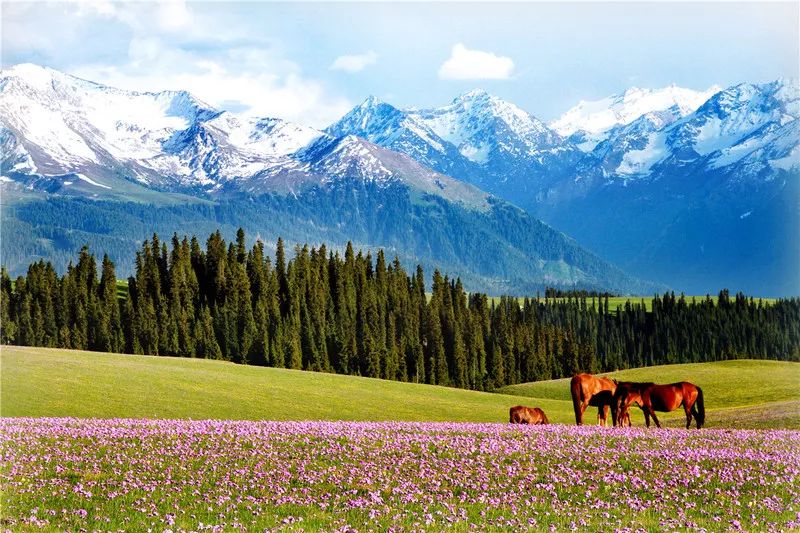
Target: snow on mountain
(479,123)
(53,124)
(734,123)
(589,120)
(62,124)
(348,156)
(740,120)
(632,149)
(385,125)
(476,126)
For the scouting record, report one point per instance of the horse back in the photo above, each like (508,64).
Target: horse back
(664,398)
(591,385)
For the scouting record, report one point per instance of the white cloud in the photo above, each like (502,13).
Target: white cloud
(253,85)
(173,45)
(466,64)
(354,63)
(173,15)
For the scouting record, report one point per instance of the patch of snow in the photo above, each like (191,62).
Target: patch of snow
(5,179)
(709,138)
(789,162)
(745,215)
(477,154)
(640,161)
(90,181)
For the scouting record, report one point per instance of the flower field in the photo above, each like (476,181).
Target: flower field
(113,474)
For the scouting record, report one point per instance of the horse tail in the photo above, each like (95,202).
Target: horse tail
(701,408)
(575,387)
(544,417)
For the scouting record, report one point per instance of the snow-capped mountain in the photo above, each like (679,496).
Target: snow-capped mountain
(654,156)
(712,192)
(105,166)
(57,125)
(389,127)
(483,126)
(478,125)
(740,121)
(478,138)
(753,124)
(587,122)
(655,179)
(58,129)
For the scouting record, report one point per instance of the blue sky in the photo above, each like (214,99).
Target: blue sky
(310,62)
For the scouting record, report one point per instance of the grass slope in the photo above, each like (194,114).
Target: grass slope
(45,382)
(740,393)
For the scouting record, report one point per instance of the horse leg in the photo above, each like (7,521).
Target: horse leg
(696,419)
(602,415)
(688,415)
(655,418)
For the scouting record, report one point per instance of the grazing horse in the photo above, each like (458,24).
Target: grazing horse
(589,390)
(627,393)
(666,398)
(519,414)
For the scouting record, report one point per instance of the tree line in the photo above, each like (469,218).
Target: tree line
(363,315)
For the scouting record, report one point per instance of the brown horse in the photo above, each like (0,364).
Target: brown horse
(627,393)
(589,390)
(519,414)
(666,398)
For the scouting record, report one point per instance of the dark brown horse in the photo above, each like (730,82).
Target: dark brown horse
(666,398)
(627,393)
(591,390)
(519,414)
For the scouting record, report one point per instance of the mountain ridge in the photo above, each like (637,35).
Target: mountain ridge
(736,152)
(267,175)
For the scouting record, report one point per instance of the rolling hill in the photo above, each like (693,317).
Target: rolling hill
(42,382)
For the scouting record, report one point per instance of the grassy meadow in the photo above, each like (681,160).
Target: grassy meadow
(100,441)
(39,382)
(59,383)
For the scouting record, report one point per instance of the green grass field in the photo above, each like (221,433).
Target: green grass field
(741,393)
(42,382)
(49,382)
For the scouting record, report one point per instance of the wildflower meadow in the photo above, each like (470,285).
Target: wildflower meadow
(178,475)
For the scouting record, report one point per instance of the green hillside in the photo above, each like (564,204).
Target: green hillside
(48,382)
(740,393)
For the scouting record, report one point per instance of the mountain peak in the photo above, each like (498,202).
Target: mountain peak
(474,94)
(369,117)
(36,76)
(599,116)
(370,101)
